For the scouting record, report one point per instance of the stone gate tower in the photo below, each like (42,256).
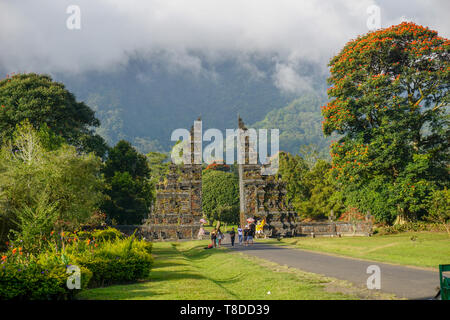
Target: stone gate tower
(263,196)
(178,207)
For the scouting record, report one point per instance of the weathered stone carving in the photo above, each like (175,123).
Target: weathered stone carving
(263,196)
(178,207)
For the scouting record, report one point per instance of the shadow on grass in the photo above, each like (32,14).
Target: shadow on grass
(156,276)
(137,291)
(172,263)
(167,264)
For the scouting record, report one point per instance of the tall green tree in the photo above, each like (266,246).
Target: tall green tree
(129,186)
(439,211)
(41,189)
(311,191)
(159,166)
(220,196)
(322,196)
(389,94)
(45,102)
(292,170)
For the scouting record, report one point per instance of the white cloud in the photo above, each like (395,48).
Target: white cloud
(34,36)
(288,80)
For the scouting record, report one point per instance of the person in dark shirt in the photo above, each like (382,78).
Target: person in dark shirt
(253,228)
(251,234)
(232,236)
(246,230)
(213,237)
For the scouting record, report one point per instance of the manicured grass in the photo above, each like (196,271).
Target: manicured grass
(422,249)
(224,228)
(185,270)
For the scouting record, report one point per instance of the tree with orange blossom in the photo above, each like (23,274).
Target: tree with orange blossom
(389,100)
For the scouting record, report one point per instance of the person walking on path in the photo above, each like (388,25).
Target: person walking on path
(246,230)
(239,230)
(232,236)
(213,237)
(201,233)
(251,234)
(219,237)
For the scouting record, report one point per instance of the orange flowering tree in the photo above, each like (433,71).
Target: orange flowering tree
(218,165)
(388,98)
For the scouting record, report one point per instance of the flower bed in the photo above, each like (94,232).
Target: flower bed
(105,260)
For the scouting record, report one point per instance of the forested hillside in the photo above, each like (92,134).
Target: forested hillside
(300,124)
(144,101)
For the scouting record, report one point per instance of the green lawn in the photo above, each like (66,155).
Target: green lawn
(422,249)
(224,227)
(185,270)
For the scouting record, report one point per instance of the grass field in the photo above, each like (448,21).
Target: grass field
(422,249)
(224,227)
(185,270)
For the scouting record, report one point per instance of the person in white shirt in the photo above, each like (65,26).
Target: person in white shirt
(201,233)
(239,230)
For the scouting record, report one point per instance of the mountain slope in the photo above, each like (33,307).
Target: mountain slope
(299,123)
(144,102)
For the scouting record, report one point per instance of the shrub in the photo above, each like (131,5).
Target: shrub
(118,261)
(352,215)
(24,276)
(38,279)
(109,234)
(439,211)
(409,227)
(32,283)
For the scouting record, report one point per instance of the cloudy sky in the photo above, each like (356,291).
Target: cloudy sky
(34,34)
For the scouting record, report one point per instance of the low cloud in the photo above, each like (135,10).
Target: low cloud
(288,80)
(34,36)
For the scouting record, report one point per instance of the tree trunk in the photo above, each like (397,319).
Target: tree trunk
(401,217)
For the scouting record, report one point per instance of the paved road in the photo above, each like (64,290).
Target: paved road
(404,282)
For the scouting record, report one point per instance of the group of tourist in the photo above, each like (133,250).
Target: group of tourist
(245,236)
(216,238)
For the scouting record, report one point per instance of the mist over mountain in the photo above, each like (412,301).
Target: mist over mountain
(149,67)
(300,124)
(144,101)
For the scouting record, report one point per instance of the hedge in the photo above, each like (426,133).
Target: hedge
(107,260)
(409,227)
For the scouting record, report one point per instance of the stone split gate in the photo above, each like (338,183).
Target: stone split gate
(178,208)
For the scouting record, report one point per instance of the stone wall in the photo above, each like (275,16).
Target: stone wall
(178,206)
(263,196)
(329,228)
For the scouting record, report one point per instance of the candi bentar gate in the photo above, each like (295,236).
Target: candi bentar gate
(178,208)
